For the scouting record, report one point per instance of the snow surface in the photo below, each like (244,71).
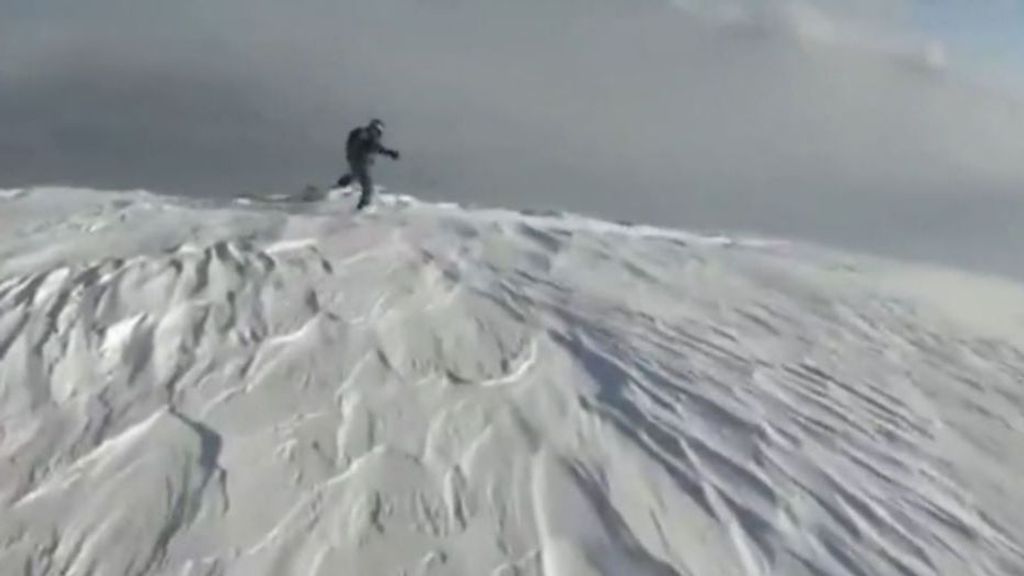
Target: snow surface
(199,388)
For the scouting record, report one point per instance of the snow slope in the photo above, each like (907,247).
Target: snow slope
(193,388)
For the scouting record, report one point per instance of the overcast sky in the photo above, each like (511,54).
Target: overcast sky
(891,127)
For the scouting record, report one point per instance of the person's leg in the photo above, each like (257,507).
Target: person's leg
(346,179)
(362,174)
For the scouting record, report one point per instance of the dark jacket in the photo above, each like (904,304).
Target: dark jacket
(363,144)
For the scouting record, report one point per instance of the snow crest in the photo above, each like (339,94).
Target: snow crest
(205,388)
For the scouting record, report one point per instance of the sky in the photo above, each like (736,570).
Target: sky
(890,127)
(986,35)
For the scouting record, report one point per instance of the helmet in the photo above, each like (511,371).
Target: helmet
(377,125)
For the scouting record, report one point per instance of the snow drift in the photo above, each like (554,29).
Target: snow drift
(195,388)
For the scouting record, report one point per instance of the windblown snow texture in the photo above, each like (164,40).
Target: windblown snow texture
(199,389)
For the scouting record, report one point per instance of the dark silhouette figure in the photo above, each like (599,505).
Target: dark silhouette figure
(362,146)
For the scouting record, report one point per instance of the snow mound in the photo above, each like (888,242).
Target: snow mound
(197,388)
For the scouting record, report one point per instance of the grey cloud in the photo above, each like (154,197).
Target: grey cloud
(632,110)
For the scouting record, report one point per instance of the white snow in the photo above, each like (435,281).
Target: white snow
(195,388)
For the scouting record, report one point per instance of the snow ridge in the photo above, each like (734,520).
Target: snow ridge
(284,388)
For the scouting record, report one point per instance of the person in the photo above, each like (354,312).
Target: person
(362,145)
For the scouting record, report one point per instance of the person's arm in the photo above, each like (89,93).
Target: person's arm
(382,149)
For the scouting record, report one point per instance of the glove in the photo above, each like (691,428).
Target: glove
(395,155)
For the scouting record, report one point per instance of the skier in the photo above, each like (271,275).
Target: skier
(362,145)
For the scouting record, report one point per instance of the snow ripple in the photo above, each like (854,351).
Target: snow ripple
(431,390)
